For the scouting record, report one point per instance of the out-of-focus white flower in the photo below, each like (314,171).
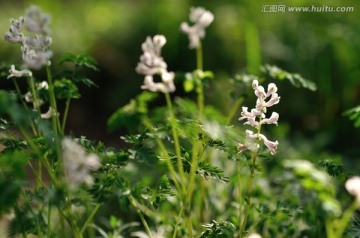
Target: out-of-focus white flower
(201,19)
(254,235)
(14,34)
(35,49)
(39,43)
(256,117)
(78,164)
(35,59)
(47,115)
(36,21)
(352,185)
(19,73)
(151,63)
(30,98)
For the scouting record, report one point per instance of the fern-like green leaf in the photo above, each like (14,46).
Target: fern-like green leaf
(295,79)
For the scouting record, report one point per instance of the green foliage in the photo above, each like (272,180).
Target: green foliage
(79,62)
(222,229)
(129,115)
(10,192)
(10,108)
(83,60)
(295,79)
(316,180)
(66,89)
(354,115)
(195,78)
(210,171)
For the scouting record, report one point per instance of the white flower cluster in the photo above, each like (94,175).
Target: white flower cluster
(35,48)
(201,19)
(352,185)
(151,64)
(78,164)
(256,117)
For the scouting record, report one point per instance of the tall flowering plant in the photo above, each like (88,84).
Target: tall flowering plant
(189,169)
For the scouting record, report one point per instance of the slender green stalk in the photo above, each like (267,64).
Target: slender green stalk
(178,222)
(66,111)
(176,141)
(199,57)
(234,109)
(34,94)
(339,225)
(90,218)
(240,195)
(55,116)
(249,191)
(199,89)
(18,91)
(165,153)
(48,230)
(134,204)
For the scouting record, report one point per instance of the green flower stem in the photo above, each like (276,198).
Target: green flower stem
(90,218)
(176,141)
(66,111)
(249,191)
(165,153)
(134,204)
(43,159)
(336,228)
(18,91)
(240,196)
(234,109)
(178,222)
(34,94)
(71,221)
(199,89)
(55,116)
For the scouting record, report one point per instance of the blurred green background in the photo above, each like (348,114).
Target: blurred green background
(323,47)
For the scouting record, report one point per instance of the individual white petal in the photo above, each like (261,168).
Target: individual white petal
(260,92)
(159,40)
(272,120)
(352,185)
(246,114)
(275,99)
(48,114)
(271,89)
(252,122)
(271,145)
(19,73)
(250,134)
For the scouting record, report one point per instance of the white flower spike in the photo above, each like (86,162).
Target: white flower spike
(78,163)
(201,19)
(151,64)
(256,117)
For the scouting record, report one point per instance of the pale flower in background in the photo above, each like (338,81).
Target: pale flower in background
(201,19)
(151,64)
(254,235)
(14,34)
(19,73)
(78,164)
(35,52)
(36,21)
(352,185)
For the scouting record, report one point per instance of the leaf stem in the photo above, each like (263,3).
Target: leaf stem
(134,204)
(89,219)
(249,191)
